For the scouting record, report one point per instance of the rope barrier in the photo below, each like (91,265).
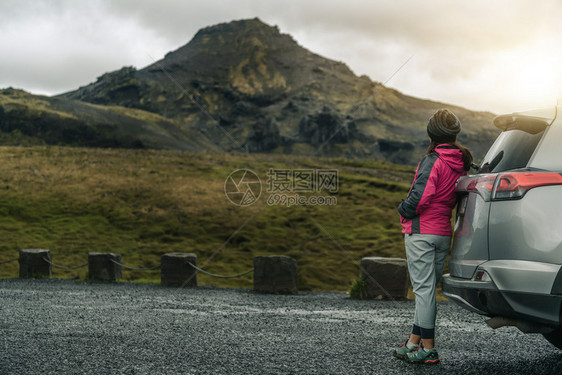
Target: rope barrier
(141,269)
(9,261)
(64,267)
(220,276)
(136,269)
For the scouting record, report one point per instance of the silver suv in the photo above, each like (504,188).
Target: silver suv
(507,250)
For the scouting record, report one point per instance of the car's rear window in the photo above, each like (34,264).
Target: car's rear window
(549,153)
(512,150)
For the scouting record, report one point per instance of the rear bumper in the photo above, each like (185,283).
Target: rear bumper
(476,296)
(518,289)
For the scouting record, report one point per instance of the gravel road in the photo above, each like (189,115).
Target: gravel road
(68,327)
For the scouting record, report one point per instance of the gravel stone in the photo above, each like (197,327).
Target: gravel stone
(52,326)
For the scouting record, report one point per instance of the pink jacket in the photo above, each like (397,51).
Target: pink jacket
(427,209)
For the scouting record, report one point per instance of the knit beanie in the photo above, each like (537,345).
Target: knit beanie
(443,126)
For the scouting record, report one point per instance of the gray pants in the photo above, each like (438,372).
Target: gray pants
(426,255)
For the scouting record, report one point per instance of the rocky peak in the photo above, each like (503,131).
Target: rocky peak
(247,80)
(226,44)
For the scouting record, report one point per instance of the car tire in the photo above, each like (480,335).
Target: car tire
(555,337)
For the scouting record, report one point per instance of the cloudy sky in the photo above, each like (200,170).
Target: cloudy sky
(500,56)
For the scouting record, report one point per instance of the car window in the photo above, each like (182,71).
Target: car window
(549,153)
(512,150)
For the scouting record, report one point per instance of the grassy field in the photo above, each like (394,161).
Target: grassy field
(142,204)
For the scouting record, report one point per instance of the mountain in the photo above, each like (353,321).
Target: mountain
(245,86)
(27,119)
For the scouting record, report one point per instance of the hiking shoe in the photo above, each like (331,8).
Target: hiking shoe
(402,351)
(421,356)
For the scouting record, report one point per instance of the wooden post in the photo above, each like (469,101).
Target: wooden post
(385,278)
(275,274)
(33,264)
(101,266)
(176,270)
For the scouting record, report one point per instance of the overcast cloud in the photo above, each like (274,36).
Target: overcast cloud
(500,56)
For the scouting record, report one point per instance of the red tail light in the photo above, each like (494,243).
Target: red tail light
(507,185)
(481,185)
(515,185)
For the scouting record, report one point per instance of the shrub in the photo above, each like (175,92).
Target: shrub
(358,289)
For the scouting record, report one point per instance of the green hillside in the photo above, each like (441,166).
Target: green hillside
(143,203)
(27,119)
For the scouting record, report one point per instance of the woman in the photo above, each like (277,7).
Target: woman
(426,222)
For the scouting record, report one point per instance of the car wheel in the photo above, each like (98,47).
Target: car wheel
(555,337)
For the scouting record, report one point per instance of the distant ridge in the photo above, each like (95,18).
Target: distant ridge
(246,86)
